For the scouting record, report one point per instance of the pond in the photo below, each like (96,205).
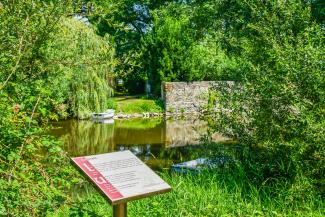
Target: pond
(158,142)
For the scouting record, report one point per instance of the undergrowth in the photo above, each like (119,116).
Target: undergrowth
(208,194)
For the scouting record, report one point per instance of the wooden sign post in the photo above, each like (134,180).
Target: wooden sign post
(121,177)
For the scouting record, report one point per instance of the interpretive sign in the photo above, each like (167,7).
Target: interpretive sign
(121,176)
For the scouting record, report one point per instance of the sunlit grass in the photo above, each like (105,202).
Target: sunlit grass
(130,105)
(210,194)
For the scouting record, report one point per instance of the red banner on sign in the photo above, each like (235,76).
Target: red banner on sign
(108,189)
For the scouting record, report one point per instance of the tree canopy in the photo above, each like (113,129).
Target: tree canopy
(54,66)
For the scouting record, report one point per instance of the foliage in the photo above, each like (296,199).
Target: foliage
(111,104)
(35,172)
(83,63)
(158,41)
(52,66)
(24,75)
(127,21)
(279,102)
(173,51)
(318,10)
(29,186)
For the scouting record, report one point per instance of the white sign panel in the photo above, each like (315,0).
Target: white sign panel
(121,176)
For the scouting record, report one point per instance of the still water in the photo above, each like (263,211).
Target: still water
(157,141)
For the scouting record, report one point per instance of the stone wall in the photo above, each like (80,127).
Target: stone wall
(188,97)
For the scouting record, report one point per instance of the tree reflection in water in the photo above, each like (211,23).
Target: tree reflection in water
(156,141)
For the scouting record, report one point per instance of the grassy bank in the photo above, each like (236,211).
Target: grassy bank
(211,194)
(136,104)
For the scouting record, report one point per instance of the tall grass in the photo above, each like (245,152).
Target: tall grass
(218,193)
(252,182)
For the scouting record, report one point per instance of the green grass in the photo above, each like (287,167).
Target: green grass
(129,105)
(211,194)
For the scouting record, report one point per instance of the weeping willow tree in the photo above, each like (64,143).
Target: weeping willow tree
(86,63)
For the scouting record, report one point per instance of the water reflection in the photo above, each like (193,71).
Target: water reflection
(156,141)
